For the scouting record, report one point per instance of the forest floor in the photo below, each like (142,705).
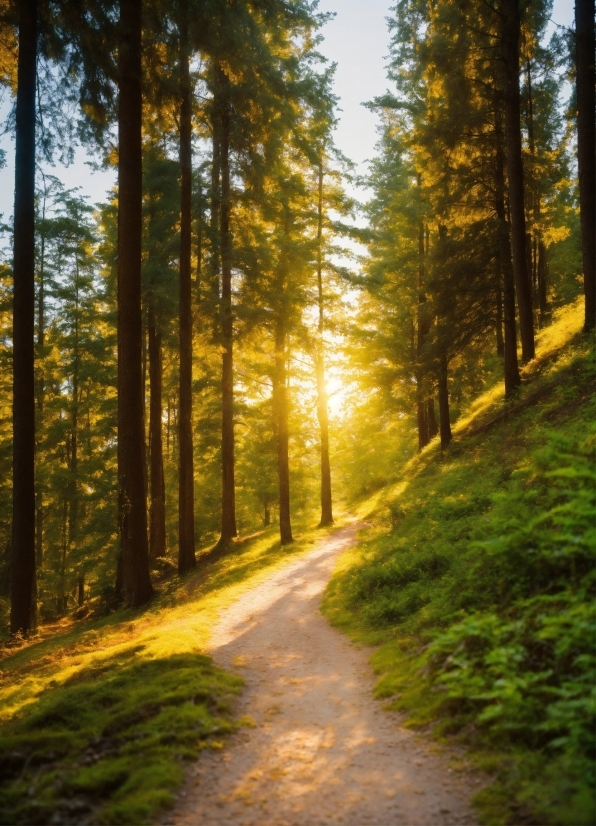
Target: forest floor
(321,749)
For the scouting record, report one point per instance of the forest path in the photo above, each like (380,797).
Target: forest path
(322,751)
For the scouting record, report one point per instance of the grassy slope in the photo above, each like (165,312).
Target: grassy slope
(98,717)
(476,580)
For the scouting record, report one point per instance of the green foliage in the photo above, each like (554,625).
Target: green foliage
(109,742)
(479,580)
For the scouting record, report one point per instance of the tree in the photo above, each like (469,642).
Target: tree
(186,508)
(510,37)
(131,426)
(322,412)
(23,589)
(586,149)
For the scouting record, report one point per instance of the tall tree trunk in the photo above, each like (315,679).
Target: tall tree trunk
(510,36)
(280,396)
(499,321)
(215,205)
(510,365)
(131,427)
(539,268)
(157,531)
(586,149)
(444,404)
(23,611)
(199,275)
(186,516)
(40,382)
(322,412)
(228,497)
(433,427)
(423,327)
(73,498)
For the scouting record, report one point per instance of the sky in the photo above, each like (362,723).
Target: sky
(356,39)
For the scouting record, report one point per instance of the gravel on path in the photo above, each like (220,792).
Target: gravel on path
(322,750)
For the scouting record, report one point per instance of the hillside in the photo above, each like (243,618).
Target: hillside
(476,581)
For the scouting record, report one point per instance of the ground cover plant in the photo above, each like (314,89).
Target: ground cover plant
(100,716)
(477,579)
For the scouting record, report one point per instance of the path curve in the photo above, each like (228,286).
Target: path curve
(322,751)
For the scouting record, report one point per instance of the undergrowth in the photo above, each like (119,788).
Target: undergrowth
(477,579)
(97,719)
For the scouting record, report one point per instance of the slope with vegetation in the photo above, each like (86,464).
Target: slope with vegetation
(476,579)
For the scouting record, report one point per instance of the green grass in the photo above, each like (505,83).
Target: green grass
(476,580)
(98,718)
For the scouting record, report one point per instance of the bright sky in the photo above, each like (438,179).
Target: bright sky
(356,39)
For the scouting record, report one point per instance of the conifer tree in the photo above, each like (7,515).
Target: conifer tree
(131,427)
(586,149)
(186,530)
(23,588)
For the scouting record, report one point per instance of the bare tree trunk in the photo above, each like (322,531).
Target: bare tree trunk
(433,427)
(423,327)
(157,532)
(73,498)
(510,365)
(23,610)
(228,497)
(280,396)
(511,26)
(215,206)
(186,516)
(586,149)
(322,412)
(539,268)
(131,427)
(39,514)
(444,404)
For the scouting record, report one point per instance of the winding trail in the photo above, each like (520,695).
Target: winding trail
(322,751)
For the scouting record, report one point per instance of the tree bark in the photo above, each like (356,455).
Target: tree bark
(423,328)
(73,498)
(215,205)
(322,412)
(510,365)
(23,611)
(280,397)
(186,517)
(586,149)
(39,513)
(157,531)
(228,497)
(131,428)
(511,27)
(444,404)
(433,427)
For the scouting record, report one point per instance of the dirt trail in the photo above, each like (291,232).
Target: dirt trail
(323,751)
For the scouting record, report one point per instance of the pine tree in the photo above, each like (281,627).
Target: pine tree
(23,589)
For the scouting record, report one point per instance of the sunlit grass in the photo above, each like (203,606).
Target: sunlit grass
(135,683)
(417,572)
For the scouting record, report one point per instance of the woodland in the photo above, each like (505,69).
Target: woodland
(234,351)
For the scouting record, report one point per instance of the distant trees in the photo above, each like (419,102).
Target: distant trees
(185,332)
(465,203)
(203,111)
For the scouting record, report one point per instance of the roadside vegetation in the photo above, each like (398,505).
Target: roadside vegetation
(476,580)
(100,716)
